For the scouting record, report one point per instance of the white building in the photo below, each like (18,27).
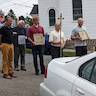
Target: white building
(49,11)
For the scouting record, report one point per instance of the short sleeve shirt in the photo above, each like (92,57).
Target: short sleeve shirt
(55,36)
(77,30)
(35,30)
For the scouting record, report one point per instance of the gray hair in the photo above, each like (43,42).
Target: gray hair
(1,13)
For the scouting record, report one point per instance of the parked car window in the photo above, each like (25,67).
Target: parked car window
(86,69)
(93,78)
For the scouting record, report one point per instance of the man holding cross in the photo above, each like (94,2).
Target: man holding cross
(57,40)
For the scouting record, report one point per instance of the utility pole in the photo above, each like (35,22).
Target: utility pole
(61,19)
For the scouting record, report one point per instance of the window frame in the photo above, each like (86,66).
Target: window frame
(92,75)
(76,9)
(52,18)
(81,68)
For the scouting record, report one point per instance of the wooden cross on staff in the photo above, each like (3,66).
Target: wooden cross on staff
(61,18)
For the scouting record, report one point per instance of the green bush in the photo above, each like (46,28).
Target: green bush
(65,53)
(29,51)
(68,54)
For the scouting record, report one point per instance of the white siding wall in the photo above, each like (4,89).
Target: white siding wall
(61,6)
(89,13)
(67,23)
(65,7)
(44,7)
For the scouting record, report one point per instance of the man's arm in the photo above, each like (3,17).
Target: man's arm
(1,33)
(30,40)
(0,41)
(75,36)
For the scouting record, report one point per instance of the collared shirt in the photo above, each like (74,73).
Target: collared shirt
(35,30)
(7,35)
(77,30)
(1,25)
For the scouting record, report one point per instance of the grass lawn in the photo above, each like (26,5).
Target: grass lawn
(28,51)
(66,53)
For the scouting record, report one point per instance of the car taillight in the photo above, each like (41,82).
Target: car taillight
(45,72)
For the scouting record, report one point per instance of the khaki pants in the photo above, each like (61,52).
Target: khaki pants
(7,58)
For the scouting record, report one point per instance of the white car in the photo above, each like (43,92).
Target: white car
(70,76)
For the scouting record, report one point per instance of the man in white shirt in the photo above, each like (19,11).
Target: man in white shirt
(80,45)
(57,40)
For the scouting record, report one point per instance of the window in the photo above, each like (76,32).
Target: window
(87,69)
(51,17)
(77,9)
(93,78)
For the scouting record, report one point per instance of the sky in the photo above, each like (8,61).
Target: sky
(20,7)
(2,1)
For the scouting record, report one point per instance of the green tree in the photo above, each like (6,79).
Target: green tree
(28,20)
(12,14)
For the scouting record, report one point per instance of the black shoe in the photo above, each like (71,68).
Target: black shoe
(37,73)
(13,76)
(7,77)
(16,69)
(42,72)
(23,68)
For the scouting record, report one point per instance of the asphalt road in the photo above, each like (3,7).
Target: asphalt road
(26,83)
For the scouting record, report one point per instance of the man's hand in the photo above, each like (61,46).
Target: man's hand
(77,38)
(33,43)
